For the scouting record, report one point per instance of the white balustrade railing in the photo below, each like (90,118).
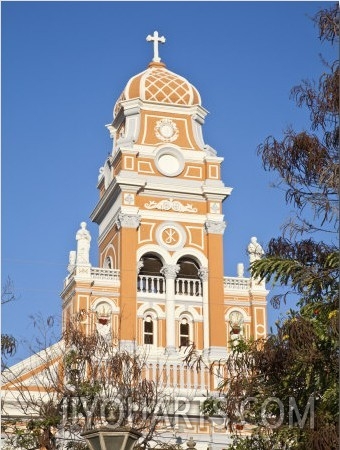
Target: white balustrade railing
(151,284)
(178,375)
(188,286)
(93,273)
(236,283)
(98,273)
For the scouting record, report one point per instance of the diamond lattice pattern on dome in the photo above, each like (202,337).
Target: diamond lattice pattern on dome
(165,87)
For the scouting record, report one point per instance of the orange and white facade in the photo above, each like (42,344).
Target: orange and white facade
(160,275)
(159,282)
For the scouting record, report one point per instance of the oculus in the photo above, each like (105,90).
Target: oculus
(169,161)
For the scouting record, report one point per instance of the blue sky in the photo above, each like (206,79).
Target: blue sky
(64,64)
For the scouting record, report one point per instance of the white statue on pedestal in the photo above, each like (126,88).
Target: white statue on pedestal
(72,260)
(83,238)
(255,251)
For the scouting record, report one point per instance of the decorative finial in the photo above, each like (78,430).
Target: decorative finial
(191,443)
(156,39)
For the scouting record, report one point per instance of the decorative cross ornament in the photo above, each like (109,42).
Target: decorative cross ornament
(156,39)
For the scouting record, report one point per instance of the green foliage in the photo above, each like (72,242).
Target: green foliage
(299,364)
(306,266)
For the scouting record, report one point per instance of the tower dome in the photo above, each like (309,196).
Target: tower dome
(158,84)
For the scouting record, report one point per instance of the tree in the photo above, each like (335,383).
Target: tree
(268,385)
(8,342)
(81,382)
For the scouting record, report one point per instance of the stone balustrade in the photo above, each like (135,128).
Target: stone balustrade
(236,283)
(151,284)
(178,375)
(98,273)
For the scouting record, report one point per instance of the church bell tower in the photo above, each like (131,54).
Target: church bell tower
(160,279)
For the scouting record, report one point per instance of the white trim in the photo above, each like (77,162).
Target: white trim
(150,306)
(173,151)
(150,105)
(192,252)
(33,362)
(156,249)
(190,320)
(151,226)
(148,164)
(154,318)
(247,319)
(201,230)
(114,308)
(172,216)
(105,252)
(190,311)
(177,228)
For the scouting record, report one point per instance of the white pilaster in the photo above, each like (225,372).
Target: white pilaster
(170,272)
(203,273)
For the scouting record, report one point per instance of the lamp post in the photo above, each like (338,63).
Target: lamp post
(109,438)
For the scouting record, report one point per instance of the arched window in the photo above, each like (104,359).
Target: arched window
(150,280)
(184,333)
(108,263)
(188,268)
(236,321)
(188,281)
(148,332)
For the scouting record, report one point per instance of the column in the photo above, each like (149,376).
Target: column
(217,341)
(128,224)
(170,272)
(203,274)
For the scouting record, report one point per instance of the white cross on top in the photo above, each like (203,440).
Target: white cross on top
(155,38)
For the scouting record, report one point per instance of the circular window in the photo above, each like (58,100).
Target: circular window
(170,162)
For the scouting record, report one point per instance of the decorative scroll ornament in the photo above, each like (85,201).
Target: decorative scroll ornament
(167,205)
(166,130)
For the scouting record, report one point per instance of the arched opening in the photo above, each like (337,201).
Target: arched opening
(188,281)
(150,280)
(184,332)
(108,263)
(148,332)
